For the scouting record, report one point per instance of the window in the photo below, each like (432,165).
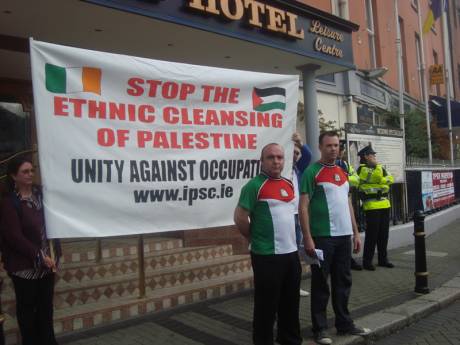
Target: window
(458,75)
(339,9)
(329,78)
(335,7)
(418,49)
(457,16)
(435,60)
(404,56)
(14,130)
(365,115)
(371,33)
(414,4)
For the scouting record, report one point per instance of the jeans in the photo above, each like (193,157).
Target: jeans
(337,255)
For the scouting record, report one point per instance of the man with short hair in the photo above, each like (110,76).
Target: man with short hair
(265,216)
(328,223)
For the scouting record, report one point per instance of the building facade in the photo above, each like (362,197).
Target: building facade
(363,95)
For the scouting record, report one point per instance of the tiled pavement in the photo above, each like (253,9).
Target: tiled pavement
(227,321)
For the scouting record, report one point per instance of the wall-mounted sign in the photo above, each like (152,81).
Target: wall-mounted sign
(436,74)
(387,142)
(256,14)
(322,45)
(437,189)
(286,25)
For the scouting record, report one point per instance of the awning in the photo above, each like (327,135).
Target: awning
(438,106)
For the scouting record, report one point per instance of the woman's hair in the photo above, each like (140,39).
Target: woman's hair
(362,159)
(13,168)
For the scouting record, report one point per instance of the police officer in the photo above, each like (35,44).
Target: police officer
(374,185)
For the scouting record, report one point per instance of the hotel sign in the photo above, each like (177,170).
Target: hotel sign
(257,13)
(285,25)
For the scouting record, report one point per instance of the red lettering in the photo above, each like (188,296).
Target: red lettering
(233,97)
(216,139)
(185,119)
(187,140)
(198,117)
(160,140)
(143,137)
(122,137)
(170,115)
(207,92)
(252,141)
(202,143)
(147,118)
(185,90)
(174,142)
(105,137)
(96,109)
(77,105)
(153,87)
(170,90)
(136,90)
(59,107)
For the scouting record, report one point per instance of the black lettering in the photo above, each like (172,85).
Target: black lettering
(134,172)
(204,170)
(77,170)
(90,170)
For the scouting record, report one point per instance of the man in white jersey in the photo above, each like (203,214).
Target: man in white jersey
(328,223)
(265,216)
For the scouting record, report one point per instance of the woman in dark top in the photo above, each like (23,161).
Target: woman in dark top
(26,254)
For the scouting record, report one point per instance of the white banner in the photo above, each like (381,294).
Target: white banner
(129,145)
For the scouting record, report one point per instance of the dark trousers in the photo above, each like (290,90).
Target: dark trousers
(377,230)
(337,257)
(276,296)
(34,309)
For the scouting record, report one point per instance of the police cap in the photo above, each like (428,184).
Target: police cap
(366,151)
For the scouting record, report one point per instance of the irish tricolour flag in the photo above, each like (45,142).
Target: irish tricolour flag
(73,79)
(269,98)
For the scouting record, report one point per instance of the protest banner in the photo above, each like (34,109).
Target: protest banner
(129,145)
(443,188)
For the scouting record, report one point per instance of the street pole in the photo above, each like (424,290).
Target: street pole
(401,102)
(425,86)
(447,71)
(421,272)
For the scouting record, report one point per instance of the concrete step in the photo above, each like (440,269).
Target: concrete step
(104,312)
(76,272)
(85,250)
(71,294)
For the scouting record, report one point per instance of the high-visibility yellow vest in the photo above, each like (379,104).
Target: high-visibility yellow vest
(353,178)
(374,185)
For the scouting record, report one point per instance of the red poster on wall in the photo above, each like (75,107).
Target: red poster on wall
(443,188)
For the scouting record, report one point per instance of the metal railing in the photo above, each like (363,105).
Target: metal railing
(417,162)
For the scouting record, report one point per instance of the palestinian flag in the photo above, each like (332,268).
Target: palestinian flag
(72,79)
(269,98)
